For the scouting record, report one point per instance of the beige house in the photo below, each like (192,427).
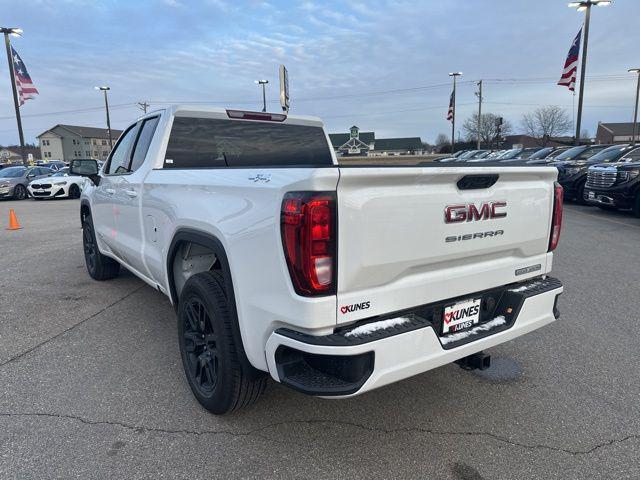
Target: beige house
(66,142)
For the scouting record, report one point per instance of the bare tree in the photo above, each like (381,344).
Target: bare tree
(546,122)
(442,139)
(489,128)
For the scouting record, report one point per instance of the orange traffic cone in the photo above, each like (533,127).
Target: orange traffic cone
(13,221)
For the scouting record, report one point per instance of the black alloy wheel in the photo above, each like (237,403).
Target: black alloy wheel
(201,346)
(90,250)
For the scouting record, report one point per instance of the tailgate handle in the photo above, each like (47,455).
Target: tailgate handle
(474,182)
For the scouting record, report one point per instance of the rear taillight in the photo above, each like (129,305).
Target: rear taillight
(556,220)
(308,223)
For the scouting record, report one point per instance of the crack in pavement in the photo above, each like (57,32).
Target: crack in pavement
(257,431)
(59,334)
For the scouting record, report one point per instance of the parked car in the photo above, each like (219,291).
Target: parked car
(475,155)
(509,154)
(60,185)
(572,174)
(469,154)
(488,156)
(581,152)
(289,271)
(545,155)
(55,165)
(616,185)
(520,156)
(14,180)
(452,158)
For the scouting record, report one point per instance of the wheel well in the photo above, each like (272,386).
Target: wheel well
(191,258)
(191,253)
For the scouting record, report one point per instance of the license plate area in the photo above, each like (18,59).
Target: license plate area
(461,315)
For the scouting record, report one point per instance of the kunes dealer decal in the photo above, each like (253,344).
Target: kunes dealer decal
(355,307)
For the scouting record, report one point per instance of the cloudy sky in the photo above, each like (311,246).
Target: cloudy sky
(381,65)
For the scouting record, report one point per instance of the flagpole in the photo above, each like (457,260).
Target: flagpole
(585,44)
(573,109)
(12,77)
(453,117)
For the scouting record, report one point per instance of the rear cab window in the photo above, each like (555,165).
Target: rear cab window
(217,143)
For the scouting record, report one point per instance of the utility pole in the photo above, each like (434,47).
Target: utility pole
(584,5)
(479,95)
(453,117)
(105,89)
(15,32)
(143,106)
(635,110)
(499,121)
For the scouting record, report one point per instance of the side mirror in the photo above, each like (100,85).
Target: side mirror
(85,168)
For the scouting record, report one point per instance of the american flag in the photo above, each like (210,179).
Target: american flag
(568,78)
(451,106)
(26,88)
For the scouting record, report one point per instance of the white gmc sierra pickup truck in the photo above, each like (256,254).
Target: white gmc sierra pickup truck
(333,279)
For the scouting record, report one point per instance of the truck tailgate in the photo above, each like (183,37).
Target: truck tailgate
(396,250)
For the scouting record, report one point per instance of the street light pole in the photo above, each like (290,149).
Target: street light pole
(7,42)
(584,5)
(453,117)
(105,89)
(635,110)
(264,94)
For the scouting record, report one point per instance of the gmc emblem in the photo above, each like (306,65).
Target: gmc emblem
(470,213)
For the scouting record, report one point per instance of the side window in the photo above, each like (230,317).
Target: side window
(144,140)
(119,161)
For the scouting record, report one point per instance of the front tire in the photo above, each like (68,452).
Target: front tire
(100,267)
(580,195)
(636,206)
(74,191)
(19,192)
(217,371)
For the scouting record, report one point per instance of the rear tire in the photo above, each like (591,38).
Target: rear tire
(100,267)
(217,371)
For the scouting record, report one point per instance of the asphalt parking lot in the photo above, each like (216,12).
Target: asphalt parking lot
(91,384)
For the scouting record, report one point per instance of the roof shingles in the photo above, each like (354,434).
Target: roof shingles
(85,132)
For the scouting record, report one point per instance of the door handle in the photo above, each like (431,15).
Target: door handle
(109,191)
(131,193)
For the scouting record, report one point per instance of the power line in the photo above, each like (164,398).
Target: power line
(79,110)
(558,105)
(397,91)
